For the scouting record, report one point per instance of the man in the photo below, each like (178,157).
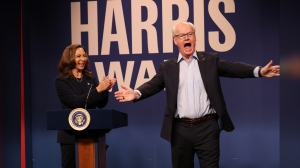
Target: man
(195,109)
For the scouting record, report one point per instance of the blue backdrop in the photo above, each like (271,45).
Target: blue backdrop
(252,103)
(248,32)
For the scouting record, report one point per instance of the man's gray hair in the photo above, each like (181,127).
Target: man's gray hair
(185,22)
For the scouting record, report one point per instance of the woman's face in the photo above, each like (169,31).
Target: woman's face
(80,59)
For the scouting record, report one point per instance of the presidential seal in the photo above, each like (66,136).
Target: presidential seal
(79,119)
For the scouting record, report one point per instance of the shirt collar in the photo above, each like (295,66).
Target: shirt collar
(180,57)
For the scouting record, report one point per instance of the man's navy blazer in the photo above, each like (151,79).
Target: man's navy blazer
(211,68)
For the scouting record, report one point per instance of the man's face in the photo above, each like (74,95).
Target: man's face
(185,39)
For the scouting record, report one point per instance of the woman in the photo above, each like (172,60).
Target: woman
(77,88)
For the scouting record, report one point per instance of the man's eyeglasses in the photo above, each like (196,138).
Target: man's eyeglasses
(182,36)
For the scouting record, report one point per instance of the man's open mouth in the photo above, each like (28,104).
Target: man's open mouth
(187,44)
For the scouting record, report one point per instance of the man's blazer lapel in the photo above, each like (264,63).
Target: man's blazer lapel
(203,68)
(175,76)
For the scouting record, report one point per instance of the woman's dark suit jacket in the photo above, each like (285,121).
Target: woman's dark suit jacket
(211,68)
(73,94)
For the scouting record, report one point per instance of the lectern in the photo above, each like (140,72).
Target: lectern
(90,142)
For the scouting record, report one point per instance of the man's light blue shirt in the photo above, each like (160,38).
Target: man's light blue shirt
(192,99)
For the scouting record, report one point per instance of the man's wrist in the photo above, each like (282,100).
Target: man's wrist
(137,94)
(259,72)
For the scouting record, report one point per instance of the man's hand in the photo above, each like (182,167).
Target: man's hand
(125,95)
(270,71)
